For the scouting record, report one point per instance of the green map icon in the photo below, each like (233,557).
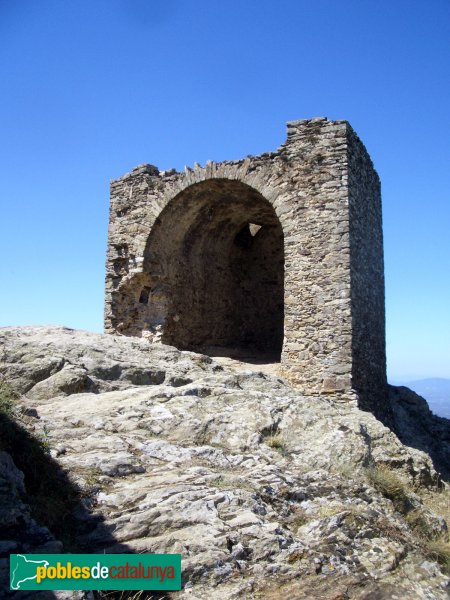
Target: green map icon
(23,569)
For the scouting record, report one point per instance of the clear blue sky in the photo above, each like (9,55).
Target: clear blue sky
(92,88)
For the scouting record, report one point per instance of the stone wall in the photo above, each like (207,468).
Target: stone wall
(367,280)
(279,253)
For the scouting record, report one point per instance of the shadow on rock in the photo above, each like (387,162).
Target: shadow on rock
(43,511)
(418,427)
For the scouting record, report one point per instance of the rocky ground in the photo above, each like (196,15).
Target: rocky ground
(265,493)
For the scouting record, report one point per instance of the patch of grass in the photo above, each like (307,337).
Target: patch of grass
(44,438)
(8,398)
(390,530)
(416,520)
(219,482)
(326,510)
(91,476)
(438,501)
(391,486)
(276,443)
(434,544)
(439,550)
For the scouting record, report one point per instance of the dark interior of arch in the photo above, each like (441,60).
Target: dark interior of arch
(214,267)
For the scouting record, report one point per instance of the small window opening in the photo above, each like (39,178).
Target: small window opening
(254,228)
(244,238)
(145,293)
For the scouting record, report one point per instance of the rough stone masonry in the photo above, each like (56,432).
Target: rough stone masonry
(280,255)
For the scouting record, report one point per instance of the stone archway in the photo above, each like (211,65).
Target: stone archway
(214,271)
(198,258)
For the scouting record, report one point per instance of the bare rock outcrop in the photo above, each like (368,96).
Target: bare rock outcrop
(418,427)
(263,491)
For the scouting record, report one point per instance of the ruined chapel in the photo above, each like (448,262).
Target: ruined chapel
(280,254)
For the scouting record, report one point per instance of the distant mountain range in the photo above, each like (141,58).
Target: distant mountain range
(436,392)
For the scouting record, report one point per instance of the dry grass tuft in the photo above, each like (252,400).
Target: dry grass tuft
(438,501)
(391,486)
(439,550)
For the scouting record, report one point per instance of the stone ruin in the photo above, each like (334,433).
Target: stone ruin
(279,256)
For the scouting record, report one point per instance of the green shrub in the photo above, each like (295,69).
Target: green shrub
(8,398)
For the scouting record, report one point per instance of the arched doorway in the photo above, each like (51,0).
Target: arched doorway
(214,271)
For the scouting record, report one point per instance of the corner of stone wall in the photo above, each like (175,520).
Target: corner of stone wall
(367,281)
(317,357)
(130,196)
